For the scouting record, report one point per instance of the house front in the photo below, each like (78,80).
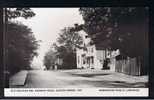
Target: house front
(92,56)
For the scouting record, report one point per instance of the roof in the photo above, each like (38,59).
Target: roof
(102,45)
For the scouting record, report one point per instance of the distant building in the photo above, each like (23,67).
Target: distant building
(58,63)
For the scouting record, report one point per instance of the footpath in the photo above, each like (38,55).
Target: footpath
(18,79)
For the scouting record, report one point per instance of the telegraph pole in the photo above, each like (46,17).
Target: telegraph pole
(5,48)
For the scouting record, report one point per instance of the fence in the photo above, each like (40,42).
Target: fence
(130,66)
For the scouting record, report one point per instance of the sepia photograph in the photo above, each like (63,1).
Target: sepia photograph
(84,47)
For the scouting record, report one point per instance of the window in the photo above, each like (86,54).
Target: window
(78,59)
(91,49)
(84,62)
(92,60)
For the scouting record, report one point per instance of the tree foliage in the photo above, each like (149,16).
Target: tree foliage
(123,28)
(69,39)
(49,59)
(19,12)
(67,43)
(21,43)
(22,46)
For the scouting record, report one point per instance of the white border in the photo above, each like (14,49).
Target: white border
(77,92)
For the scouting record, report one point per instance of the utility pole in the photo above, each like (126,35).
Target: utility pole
(5,48)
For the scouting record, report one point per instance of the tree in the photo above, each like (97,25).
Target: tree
(11,30)
(123,28)
(68,57)
(13,13)
(68,41)
(116,27)
(22,46)
(49,59)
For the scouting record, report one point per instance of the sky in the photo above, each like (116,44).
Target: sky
(46,25)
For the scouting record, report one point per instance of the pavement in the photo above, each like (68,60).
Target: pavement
(18,79)
(79,78)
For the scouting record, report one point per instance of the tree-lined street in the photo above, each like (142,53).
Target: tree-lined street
(69,51)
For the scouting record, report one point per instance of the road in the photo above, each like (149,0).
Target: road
(81,79)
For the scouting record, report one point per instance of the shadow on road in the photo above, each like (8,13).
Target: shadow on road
(112,84)
(89,75)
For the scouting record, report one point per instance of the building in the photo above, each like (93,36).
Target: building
(58,63)
(89,58)
(93,57)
